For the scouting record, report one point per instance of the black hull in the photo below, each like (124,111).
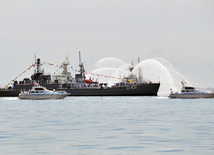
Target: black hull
(150,89)
(141,90)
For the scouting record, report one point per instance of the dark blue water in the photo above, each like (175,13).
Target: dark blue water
(107,125)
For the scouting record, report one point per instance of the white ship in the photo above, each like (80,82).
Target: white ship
(188,92)
(41,93)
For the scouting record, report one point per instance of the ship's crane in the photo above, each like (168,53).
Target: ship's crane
(80,77)
(80,61)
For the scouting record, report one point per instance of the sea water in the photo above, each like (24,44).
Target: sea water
(107,126)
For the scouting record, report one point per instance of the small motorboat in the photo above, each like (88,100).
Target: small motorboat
(42,93)
(188,92)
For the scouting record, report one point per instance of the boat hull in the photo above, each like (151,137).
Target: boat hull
(42,97)
(139,90)
(142,89)
(192,96)
(9,93)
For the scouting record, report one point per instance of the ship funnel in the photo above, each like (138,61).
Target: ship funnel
(38,61)
(38,66)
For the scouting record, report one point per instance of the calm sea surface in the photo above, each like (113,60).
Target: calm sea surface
(107,125)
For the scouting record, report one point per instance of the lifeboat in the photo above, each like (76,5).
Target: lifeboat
(88,81)
(94,82)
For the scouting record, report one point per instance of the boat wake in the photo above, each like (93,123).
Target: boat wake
(9,98)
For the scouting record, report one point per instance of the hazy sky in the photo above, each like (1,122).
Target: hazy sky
(179,31)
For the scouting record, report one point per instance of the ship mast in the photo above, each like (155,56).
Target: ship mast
(38,66)
(65,66)
(80,61)
(131,67)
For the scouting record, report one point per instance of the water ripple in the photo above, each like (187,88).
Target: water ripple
(107,125)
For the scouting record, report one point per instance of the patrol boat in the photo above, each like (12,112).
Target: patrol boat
(188,92)
(41,93)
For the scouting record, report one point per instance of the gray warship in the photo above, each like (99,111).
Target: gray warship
(79,85)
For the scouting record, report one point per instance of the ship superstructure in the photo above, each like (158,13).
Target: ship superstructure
(39,75)
(65,76)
